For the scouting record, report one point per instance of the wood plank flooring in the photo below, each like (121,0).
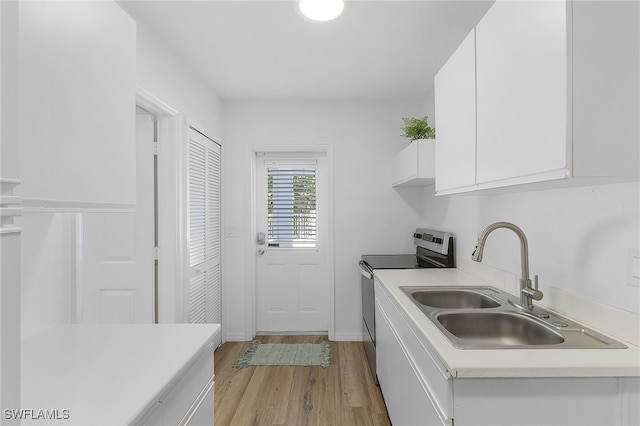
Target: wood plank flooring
(342,394)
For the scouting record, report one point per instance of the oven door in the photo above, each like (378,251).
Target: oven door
(368,315)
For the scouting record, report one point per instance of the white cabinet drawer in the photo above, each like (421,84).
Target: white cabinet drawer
(180,400)
(201,413)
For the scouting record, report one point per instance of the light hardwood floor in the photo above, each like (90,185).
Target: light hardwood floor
(342,394)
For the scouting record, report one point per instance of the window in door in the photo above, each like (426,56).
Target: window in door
(291,207)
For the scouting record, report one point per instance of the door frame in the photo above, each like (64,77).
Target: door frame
(169,189)
(169,271)
(250,255)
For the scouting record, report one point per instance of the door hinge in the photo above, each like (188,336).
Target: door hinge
(156,148)
(156,253)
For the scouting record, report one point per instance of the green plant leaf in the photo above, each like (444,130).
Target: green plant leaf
(417,128)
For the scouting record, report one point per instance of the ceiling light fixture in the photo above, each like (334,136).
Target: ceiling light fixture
(321,10)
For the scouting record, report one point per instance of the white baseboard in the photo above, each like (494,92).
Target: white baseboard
(348,337)
(292,333)
(236,337)
(338,337)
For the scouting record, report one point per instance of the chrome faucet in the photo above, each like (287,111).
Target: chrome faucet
(527,293)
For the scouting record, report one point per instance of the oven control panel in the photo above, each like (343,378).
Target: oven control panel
(433,240)
(428,237)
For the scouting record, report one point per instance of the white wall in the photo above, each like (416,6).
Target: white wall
(579,238)
(164,74)
(369,215)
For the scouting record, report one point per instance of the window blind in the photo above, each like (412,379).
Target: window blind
(291,206)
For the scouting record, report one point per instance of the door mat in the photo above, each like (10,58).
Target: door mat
(304,354)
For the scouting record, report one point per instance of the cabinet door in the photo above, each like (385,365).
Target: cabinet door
(606,88)
(77,110)
(455,100)
(521,50)
(406,399)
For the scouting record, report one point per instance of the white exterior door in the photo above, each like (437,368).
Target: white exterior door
(292,279)
(204,293)
(116,265)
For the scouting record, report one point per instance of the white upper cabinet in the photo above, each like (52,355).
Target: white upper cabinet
(455,98)
(606,88)
(77,105)
(555,95)
(521,68)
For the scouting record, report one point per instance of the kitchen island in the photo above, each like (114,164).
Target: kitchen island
(118,374)
(425,379)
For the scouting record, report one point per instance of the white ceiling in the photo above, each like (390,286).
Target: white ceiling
(266,50)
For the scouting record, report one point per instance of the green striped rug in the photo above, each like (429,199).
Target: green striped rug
(304,354)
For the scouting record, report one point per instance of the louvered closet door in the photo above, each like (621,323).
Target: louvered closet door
(204,293)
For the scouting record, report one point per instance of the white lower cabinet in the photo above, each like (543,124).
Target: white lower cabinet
(540,401)
(190,400)
(406,395)
(418,389)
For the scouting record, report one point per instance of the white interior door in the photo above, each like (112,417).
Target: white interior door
(204,236)
(292,287)
(116,276)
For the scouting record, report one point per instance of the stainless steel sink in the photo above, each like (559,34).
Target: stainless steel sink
(498,329)
(454,299)
(484,317)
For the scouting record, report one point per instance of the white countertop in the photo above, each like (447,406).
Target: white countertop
(502,362)
(106,374)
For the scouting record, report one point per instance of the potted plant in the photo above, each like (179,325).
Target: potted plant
(417,128)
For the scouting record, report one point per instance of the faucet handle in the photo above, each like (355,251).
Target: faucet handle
(535,293)
(532,292)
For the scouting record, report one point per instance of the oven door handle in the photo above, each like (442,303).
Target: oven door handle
(365,270)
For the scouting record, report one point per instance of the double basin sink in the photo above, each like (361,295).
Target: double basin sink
(483,317)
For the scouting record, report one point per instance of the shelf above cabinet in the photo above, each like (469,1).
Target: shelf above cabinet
(415,165)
